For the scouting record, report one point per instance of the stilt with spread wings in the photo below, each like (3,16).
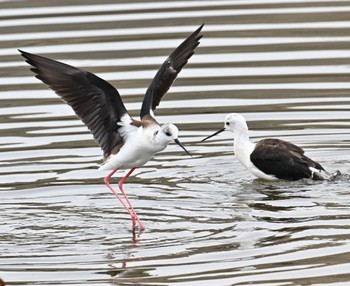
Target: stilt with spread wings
(126,143)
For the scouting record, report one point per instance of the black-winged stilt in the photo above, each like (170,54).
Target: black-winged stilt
(126,143)
(270,159)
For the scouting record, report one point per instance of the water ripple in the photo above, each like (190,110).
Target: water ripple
(283,64)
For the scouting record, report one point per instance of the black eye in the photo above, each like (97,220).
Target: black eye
(167,133)
(227,123)
(155,133)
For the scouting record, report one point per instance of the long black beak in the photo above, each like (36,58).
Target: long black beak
(216,133)
(179,143)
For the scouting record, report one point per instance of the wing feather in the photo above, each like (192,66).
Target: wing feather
(95,101)
(168,72)
(282,159)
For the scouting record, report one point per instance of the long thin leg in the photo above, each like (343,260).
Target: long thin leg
(131,212)
(106,179)
(120,184)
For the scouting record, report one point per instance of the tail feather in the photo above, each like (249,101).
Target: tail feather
(317,174)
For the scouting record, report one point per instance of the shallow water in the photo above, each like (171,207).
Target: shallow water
(283,64)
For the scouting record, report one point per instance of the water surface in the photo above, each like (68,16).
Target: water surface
(284,65)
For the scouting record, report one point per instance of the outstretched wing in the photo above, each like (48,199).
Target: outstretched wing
(282,159)
(168,72)
(95,101)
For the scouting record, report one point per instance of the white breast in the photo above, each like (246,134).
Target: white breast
(136,152)
(242,153)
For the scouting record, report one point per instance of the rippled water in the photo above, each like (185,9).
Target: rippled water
(284,65)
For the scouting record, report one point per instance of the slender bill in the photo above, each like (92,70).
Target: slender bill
(179,143)
(216,133)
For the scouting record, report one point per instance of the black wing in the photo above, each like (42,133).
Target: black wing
(168,72)
(95,101)
(283,159)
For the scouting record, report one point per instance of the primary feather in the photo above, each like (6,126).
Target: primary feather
(168,72)
(95,101)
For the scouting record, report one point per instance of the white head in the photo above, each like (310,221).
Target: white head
(234,122)
(166,133)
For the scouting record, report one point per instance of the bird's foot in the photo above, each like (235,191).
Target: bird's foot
(134,218)
(133,222)
(142,227)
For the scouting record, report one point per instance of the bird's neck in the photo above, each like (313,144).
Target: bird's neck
(241,137)
(242,146)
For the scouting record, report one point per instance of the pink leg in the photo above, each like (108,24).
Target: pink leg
(120,184)
(131,212)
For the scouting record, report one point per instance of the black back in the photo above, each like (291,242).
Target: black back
(283,159)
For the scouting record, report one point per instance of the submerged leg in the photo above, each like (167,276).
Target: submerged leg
(131,212)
